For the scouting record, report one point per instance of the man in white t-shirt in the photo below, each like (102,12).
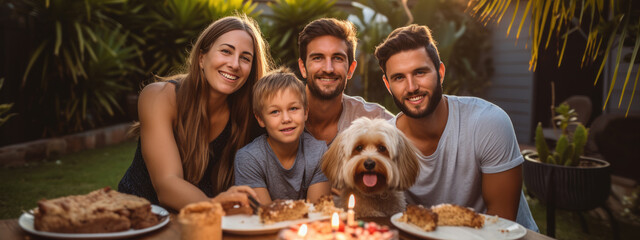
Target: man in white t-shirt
(470,153)
(327,48)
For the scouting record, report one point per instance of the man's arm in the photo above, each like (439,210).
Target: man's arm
(501,192)
(316,191)
(263,195)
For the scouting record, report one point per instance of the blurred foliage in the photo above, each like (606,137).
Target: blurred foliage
(60,80)
(87,55)
(5,108)
(288,19)
(166,29)
(367,81)
(607,26)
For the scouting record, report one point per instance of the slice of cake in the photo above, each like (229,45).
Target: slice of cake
(100,211)
(326,206)
(454,215)
(282,210)
(420,216)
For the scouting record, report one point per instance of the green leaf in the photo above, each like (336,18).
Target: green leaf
(58,42)
(4,108)
(6,118)
(633,58)
(32,60)
(580,136)
(541,144)
(562,146)
(80,38)
(615,69)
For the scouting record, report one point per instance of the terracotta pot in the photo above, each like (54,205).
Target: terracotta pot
(571,188)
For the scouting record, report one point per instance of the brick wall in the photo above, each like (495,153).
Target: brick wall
(46,149)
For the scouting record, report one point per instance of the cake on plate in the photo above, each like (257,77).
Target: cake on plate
(428,219)
(283,210)
(420,216)
(326,206)
(100,211)
(454,215)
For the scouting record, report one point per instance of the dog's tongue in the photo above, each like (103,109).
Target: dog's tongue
(370,180)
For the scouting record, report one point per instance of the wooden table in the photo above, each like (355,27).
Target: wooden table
(10,230)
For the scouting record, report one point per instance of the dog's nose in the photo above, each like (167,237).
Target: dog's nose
(369,164)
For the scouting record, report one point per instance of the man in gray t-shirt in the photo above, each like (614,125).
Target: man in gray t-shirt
(470,153)
(257,166)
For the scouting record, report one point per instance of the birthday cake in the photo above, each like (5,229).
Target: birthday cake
(322,230)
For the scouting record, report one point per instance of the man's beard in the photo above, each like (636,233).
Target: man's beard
(317,92)
(434,100)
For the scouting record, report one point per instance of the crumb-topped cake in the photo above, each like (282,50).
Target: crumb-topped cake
(321,230)
(326,206)
(100,211)
(282,210)
(420,216)
(454,215)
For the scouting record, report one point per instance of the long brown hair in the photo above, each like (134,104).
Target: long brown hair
(193,121)
(192,126)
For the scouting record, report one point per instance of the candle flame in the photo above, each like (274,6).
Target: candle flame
(335,221)
(352,201)
(303,230)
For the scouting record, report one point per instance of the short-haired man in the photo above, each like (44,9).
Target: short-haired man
(327,49)
(470,153)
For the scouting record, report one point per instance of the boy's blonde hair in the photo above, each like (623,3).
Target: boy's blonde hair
(274,82)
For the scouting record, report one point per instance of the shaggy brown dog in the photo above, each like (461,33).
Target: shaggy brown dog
(374,161)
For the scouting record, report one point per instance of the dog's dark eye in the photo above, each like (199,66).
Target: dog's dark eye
(359,148)
(382,149)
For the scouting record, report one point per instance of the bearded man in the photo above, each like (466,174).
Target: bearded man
(470,156)
(327,49)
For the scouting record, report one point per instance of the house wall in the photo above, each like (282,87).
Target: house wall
(512,83)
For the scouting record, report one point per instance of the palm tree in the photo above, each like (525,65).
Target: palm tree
(610,23)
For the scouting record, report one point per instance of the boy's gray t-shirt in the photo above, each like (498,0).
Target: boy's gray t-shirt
(257,166)
(478,138)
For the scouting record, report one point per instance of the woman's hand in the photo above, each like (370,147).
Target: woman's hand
(236,200)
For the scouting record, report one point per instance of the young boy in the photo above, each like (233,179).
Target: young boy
(284,163)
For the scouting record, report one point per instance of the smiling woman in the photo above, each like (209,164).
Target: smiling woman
(192,124)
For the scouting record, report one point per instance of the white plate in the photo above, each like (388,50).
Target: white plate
(491,230)
(26,223)
(251,225)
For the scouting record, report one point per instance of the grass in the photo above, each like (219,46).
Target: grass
(568,225)
(85,171)
(76,173)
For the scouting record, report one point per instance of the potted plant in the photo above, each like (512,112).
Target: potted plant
(564,178)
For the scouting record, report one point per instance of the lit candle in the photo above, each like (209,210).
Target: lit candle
(302,232)
(335,221)
(335,224)
(350,212)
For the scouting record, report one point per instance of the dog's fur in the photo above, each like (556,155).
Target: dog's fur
(396,166)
